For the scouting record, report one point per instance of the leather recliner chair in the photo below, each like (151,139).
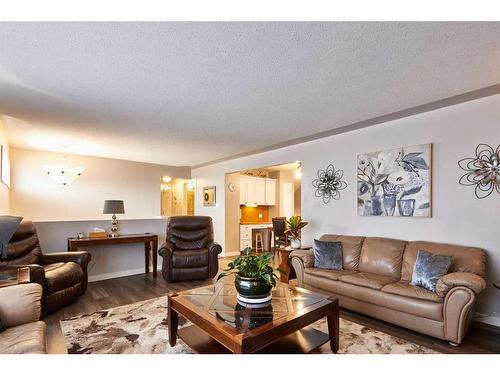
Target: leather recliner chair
(63,276)
(189,252)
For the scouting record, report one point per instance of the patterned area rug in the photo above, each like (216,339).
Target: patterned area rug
(141,328)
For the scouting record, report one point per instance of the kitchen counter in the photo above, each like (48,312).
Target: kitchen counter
(255,223)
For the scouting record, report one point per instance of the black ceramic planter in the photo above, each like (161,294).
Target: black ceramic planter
(252,288)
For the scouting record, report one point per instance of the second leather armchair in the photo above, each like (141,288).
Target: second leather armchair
(189,252)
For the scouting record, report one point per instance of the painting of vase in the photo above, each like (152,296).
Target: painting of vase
(395,182)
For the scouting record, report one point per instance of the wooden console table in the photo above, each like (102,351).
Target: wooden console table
(150,242)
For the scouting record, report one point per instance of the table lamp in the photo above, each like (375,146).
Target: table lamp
(113,207)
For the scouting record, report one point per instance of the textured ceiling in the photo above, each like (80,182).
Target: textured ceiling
(189,93)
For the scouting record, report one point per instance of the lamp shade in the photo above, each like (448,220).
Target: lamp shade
(113,207)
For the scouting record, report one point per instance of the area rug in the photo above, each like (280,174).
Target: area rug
(141,328)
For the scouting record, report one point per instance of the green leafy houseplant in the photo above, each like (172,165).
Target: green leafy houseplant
(295,225)
(253,266)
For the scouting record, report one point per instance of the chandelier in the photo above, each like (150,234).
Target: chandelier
(62,173)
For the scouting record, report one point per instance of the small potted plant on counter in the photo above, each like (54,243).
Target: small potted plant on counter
(295,225)
(255,278)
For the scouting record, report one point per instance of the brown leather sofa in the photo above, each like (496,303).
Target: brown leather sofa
(189,252)
(20,308)
(376,276)
(63,276)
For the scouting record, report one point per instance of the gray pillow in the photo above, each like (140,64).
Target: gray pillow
(327,255)
(8,226)
(429,268)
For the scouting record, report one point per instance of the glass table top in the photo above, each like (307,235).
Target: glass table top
(220,301)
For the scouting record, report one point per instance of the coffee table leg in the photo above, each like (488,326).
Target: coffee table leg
(172,321)
(334,327)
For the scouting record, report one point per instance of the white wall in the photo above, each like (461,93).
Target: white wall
(60,211)
(458,217)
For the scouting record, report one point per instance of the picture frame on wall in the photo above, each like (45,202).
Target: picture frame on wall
(4,166)
(396,182)
(209,196)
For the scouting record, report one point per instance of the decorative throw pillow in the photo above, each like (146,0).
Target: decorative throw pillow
(8,226)
(327,255)
(429,268)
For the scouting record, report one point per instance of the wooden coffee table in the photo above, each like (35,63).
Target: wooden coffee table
(222,325)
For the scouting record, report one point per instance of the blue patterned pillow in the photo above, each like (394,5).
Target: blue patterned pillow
(327,255)
(429,268)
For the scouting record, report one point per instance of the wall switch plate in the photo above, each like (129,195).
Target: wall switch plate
(261,216)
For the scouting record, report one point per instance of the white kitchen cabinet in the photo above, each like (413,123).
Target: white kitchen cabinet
(270,192)
(257,191)
(260,191)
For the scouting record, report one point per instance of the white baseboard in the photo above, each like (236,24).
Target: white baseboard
(114,275)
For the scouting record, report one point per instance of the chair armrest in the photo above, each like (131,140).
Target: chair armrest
(20,304)
(166,249)
(306,256)
(466,279)
(79,257)
(214,247)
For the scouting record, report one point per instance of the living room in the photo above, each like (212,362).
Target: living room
(348,207)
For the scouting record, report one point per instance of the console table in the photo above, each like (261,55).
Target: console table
(150,242)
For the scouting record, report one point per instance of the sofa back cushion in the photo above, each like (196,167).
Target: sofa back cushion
(382,256)
(351,249)
(190,232)
(465,259)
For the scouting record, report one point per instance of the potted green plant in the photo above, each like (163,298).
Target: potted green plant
(255,278)
(295,225)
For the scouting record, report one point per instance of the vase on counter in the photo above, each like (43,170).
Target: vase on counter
(295,243)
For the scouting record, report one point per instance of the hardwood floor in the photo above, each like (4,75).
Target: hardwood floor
(105,294)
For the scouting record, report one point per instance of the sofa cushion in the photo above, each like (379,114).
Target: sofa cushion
(351,249)
(465,259)
(190,258)
(24,339)
(422,308)
(327,255)
(60,276)
(382,256)
(328,274)
(368,280)
(403,288)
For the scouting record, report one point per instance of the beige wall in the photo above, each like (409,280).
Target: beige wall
(4,190)
(35,195)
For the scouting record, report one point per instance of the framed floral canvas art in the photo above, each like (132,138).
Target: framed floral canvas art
(395,182)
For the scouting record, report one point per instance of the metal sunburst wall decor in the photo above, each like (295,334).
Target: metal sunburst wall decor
(483,171)
(329,183)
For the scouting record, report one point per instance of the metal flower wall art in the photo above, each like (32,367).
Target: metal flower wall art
(483,171)
(329,183)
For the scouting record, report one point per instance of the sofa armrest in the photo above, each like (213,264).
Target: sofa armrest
(166,249)
(81,258)
(306,256)
(465,279)
(20,304)
(300,260)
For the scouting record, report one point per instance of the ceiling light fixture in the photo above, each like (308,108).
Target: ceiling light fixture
(62,173)
(166,179)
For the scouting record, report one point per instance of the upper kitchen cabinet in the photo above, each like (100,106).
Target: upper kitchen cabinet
(257,190)
(270,192)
